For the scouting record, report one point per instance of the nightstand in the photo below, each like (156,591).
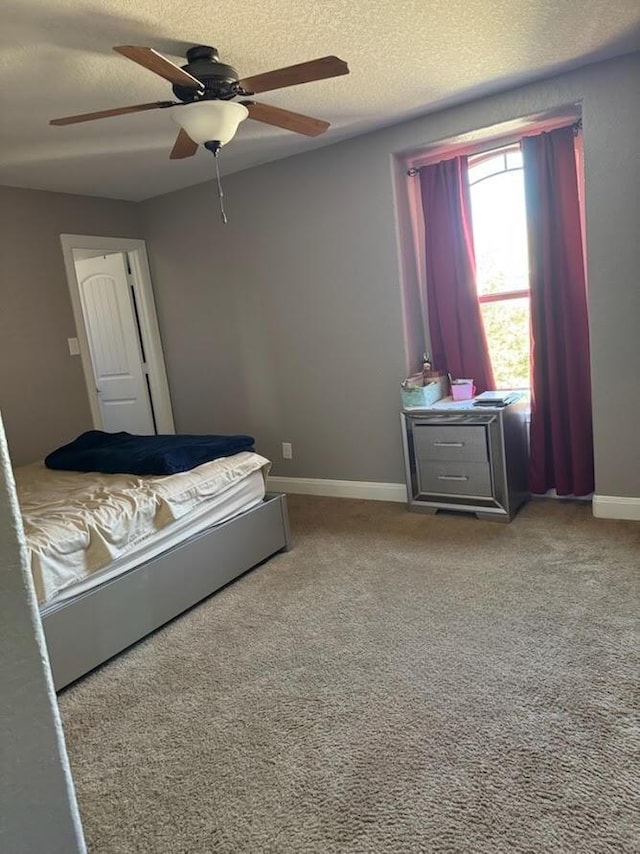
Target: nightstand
(467,458)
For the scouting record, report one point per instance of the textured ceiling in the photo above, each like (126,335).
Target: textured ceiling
(406,57)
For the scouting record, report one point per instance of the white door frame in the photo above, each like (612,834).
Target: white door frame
(136,251)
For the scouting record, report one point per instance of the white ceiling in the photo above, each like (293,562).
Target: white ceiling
(407,58)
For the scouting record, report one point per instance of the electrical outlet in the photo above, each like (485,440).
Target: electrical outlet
(287,451)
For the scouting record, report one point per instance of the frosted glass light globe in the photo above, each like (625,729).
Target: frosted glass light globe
(210,121)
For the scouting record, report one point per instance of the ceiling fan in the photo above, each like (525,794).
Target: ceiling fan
(206,89)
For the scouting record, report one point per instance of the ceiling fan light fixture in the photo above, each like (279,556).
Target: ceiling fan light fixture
(210,121)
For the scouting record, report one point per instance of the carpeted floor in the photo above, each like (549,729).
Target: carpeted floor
(395,683)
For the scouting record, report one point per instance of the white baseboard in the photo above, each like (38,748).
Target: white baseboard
(614,507)
(339,488)
(604,506)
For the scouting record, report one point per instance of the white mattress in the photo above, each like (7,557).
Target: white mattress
(83,529)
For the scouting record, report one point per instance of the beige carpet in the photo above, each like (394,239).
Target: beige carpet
(395,683)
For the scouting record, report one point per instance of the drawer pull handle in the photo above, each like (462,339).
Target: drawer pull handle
(448,444)
(452,477)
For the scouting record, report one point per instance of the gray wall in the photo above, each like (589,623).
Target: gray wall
(611,117)
(38,811)
(288,321)
(43,397)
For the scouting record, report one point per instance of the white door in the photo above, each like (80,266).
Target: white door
(114,341)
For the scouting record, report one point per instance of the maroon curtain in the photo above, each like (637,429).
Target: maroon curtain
(561,431)
(458,342)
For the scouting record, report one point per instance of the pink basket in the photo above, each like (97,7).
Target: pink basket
(462,389)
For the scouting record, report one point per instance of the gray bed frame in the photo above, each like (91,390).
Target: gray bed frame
(86,631)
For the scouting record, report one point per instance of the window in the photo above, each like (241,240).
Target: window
(498,212)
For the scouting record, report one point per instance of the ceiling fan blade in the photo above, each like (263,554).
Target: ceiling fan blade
(183,147)
(154,61)
(119,111)
(306,72)
(285,119)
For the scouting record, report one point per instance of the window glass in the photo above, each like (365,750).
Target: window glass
(484,167)
(502,265)
(514,158)
(506,324)
(500,233)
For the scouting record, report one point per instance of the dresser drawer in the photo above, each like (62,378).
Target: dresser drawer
(454,478)
(441,442)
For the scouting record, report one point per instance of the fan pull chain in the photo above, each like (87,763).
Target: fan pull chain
(220,192)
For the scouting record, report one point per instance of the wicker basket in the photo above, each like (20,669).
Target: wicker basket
(423,396)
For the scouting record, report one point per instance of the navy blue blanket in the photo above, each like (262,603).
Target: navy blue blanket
(124,453)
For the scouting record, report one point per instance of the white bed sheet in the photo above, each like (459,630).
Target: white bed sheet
(83,529)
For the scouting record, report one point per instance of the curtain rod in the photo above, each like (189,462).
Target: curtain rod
(415,170)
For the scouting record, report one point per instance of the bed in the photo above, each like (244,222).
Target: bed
(115,556)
